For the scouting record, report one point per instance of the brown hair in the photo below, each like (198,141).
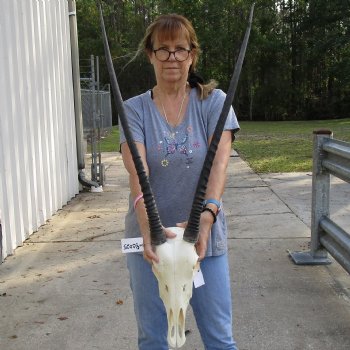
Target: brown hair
(170,27)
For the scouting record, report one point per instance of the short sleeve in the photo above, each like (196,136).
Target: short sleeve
(215,103)
(134,115)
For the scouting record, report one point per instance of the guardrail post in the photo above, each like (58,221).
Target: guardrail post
(320,204)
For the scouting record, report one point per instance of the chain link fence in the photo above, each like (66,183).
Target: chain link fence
(97,112)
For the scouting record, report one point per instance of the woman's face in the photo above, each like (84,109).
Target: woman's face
(171,70)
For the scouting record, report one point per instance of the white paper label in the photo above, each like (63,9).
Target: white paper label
(198,279)
(132,245)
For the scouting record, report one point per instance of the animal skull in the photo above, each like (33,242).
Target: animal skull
(178,262)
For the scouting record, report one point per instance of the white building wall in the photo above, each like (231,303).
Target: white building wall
(38,162)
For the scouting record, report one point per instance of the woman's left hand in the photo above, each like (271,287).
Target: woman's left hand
(182,224)
(204,233)
(205,225)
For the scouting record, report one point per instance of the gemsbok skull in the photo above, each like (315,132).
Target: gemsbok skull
(178,260)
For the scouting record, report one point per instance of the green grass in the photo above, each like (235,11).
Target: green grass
(284,146)
(109,142)
(270,147)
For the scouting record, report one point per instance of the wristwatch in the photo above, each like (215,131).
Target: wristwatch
(213,201)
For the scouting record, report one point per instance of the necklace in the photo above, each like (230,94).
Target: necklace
(179,113)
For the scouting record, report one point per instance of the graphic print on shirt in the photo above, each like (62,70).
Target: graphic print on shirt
(177,143)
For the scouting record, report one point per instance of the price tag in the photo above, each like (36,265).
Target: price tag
(132,245)
(198,279)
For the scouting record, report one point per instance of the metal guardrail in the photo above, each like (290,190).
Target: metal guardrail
(330,156)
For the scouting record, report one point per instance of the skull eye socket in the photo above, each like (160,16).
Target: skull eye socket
(166,288)
(184,287)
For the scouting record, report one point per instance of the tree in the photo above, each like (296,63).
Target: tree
(297,64)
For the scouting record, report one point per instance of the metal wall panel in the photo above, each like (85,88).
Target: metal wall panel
(38,161)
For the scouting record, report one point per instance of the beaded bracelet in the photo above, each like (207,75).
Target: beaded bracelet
(212,213)
(138,197)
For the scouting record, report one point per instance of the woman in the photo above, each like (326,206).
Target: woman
(172,125)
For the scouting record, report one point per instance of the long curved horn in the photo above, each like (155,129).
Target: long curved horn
(157,233)
(192,229)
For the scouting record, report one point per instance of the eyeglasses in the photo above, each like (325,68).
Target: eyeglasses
(180,55)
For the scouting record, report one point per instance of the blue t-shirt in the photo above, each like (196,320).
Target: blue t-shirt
(175,157)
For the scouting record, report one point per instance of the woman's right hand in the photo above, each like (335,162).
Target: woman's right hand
(149,253)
